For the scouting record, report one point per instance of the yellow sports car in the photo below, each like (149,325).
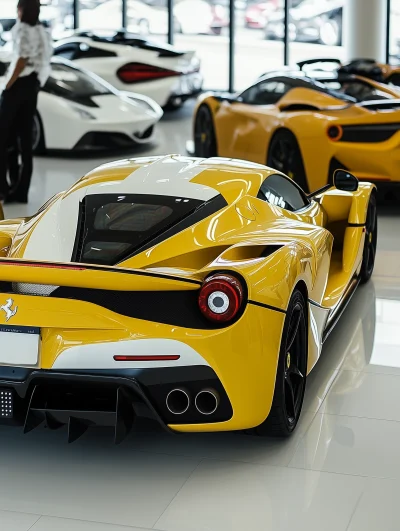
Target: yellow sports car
(198,292)
(307,128)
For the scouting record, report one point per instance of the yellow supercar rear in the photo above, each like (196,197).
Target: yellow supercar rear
(195,291)
(306,128)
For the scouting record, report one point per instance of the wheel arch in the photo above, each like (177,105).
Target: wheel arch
(280,129)
(41,147)
(212,106)
(284,129)
(302,287)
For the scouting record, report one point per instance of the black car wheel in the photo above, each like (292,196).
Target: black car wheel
(284,155)
(38,144)
(205,143)
(290,381)
(371,236)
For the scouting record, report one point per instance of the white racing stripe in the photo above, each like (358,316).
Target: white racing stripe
(54,236)
(101,355)
(168,176)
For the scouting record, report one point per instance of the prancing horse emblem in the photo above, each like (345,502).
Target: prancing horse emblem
(7,309)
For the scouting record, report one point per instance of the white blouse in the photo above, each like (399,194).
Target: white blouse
(34,44)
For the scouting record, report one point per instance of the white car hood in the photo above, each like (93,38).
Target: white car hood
(116,109)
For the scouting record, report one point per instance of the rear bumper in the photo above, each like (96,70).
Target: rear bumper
(188,86)
(85,398)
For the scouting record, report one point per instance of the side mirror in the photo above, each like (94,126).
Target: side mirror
(343,180)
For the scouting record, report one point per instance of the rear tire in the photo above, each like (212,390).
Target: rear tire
(371,237)
(290,383)
(284,155)
(205,142)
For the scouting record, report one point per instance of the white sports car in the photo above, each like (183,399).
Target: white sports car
(159,71)
(78,110)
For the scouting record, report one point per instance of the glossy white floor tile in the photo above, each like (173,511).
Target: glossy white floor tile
(339,472)
(66,524)
(378,507)
(14,521)
(358,394)
(89,480)
(231,446)
(350,445)
(226,495)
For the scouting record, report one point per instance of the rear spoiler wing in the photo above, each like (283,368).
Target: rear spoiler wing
(308,62)
(91,276)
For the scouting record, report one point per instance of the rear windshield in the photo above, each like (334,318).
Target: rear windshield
(111,228)
(73,85)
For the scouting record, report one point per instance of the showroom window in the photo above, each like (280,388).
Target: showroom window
(236,40)
(203,26)
(257,50)
(394,32)
(315,29)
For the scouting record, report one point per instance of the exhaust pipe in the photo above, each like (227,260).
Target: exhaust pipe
(177,401)
(207,401)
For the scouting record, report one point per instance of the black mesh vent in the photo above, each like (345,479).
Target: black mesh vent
(371,133)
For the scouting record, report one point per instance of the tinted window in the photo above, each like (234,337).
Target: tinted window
(130,216)
(281,191)
(111,228)
(74,85)
(265,93)
(68,51)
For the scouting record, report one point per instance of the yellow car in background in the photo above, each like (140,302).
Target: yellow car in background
(198,292)
(306,127)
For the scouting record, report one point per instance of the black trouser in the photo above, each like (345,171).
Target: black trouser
(17,110)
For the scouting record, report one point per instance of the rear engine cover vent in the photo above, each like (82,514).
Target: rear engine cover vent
(42,290)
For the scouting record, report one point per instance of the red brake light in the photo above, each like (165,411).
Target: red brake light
(137,72)
(155,357)
(221,298)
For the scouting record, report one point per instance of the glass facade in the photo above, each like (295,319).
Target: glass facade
(236,40)
(394,31)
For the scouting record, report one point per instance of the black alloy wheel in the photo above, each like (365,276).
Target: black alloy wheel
(285,156)
(371,237)
(205,143)
(290,381)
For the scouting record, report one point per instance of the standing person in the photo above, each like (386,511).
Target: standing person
(29,69)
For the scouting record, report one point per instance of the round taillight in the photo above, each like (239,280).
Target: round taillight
(221,298)
(335,132)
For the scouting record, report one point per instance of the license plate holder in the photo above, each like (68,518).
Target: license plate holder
(19,345)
